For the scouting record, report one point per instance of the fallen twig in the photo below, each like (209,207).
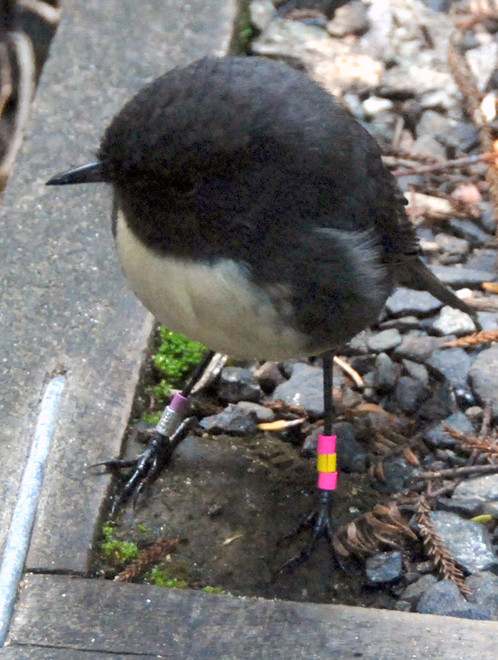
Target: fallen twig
(149,556)
(475,339)
(447,164)
(452,473)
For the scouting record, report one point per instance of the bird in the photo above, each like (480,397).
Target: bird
(253,213)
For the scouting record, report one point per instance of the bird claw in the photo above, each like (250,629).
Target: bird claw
(147,466)
(320,522)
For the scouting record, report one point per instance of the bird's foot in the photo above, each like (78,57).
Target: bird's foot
(320,522)
(146,467)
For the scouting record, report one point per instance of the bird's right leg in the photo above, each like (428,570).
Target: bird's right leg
(169,432)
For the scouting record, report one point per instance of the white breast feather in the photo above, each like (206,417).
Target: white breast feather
(215,304)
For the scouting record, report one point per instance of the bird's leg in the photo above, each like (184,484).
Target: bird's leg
(319,519)
(169,432)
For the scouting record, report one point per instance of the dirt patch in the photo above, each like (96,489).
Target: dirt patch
(232,500)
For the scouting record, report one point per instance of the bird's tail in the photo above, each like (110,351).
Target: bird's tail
(414,274)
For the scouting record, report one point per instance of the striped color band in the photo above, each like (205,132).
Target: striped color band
(327,462)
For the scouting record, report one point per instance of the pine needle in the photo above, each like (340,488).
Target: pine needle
(149,556)
(443,561)
(475,339)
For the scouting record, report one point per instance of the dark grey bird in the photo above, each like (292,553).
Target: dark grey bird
(254,214)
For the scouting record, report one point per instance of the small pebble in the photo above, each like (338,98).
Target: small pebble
(384,567)
(232,420)
(438,436)
(238,384)
(452,321)
(407,301)
(466,541)
(384,341)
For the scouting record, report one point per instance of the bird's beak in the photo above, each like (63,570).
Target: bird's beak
(92,173)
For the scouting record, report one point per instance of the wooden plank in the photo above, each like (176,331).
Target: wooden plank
(58,611)
(44,653)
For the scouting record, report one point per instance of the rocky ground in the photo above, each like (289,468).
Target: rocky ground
(417,503)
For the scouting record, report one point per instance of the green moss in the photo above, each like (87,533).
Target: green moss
(114,550)
(213,590)
(243,30)
(161,577)
(151,418)
(175,358)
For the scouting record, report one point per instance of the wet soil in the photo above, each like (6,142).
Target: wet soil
(231,500)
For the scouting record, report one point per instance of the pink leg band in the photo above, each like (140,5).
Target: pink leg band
(326,444)
(327,480)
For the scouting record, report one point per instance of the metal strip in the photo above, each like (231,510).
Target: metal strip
(16,547)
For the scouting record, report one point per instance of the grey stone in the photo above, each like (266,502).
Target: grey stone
(487,218)
(413,592)
(410,393)
(482,62)
(405,301)
(286,38)
(351,18)
(467,508)
(466,541)
(402,323)
(483,376)
(363,364)
(417,371)
(418,348)
(474,414)
(453,321)
(351,457)
(431,123)
(451,457)
(238,384)
(373,105)
(484,489)
(304,388)
(439,437)
(403,606)
(386,373)
(410,81)
(261,13)
(470,231)
(458,136)
(452,244)
(488,320)
(485,590)
(445,599)
(384,567)
(397,471)
(439,405)
(269,376)
(263,414)
(482,259)
(359,343)
(453,364)
(233,420)
(461,277)
(427,145)
(384,340)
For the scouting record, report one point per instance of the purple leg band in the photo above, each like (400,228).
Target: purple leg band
(179,404)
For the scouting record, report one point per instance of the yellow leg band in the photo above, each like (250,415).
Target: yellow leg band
(326,462)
